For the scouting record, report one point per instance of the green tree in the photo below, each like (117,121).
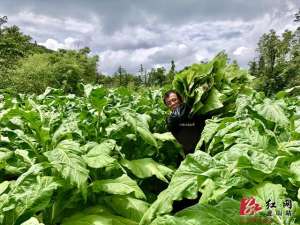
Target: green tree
(34,74)
(292,70)
(140,75)
(253,68)
(122,76)
(157,76)
(3,20)
(171,73)
(63,69)
(14,45)
(106,81)
(274,59)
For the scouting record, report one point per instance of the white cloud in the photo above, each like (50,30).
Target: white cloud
(130,35)
(241,50)
(69,43)
(52,44)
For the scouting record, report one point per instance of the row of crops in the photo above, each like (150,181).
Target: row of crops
(106,158)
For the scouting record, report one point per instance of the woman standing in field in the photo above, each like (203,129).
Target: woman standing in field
(186,128)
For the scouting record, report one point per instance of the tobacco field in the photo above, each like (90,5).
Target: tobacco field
(105,157)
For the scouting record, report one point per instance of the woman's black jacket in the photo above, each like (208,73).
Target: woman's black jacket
(186,128)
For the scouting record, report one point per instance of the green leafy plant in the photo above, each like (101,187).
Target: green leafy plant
(211,86)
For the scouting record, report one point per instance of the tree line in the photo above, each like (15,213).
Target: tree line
(155,77)
(27,67)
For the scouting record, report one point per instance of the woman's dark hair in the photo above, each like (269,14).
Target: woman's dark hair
(167,94)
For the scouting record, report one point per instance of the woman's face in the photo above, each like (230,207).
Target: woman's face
(172,101)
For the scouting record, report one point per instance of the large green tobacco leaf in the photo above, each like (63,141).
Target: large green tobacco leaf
(127,207)
(105,147)
(208,132)
(67,128)
(147,136)
(98,161)
(21,139)
(218,185)
(32,195)
(97,216)
(24,155)
(244,156)
(140,125)
(97,98)
(115,128)
(99,155)
(67,161)
(273,111)
(198,93)
(215,133)
(213,101)
(224,213)
(143,120)
(122,186)
(219,135)
(5,154)
(184,184)
(37,120)
(185,81)
(236,167)
(144,168)
(34,118)
(210,86)
(290,147)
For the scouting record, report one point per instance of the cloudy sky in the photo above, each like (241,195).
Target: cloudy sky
(152,32)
